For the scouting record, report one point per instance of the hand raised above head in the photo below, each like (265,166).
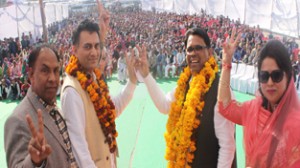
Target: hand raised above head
(230,46)
(38,148)
(104,19)
(142,64)
(130,61)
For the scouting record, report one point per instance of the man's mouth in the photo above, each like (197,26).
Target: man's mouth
(194,61)
(93,60)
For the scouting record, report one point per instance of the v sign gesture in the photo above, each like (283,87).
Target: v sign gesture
(130,61)
(230,47)
(37,147)
(104,19)
(143,65)
(224,94)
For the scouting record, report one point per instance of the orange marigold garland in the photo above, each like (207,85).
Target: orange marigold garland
(184,114)
(99,94)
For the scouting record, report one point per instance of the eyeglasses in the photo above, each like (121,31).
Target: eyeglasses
(276,75)
(195,48)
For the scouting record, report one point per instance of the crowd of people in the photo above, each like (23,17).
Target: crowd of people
(163,34)
(200,127)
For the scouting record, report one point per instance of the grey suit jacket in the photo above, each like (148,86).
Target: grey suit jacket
(17,136)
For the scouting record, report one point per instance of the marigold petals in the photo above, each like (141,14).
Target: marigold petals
(182,121)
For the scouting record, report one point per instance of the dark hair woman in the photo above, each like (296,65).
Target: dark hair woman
(272,119)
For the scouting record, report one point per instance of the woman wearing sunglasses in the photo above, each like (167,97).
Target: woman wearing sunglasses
(272,120)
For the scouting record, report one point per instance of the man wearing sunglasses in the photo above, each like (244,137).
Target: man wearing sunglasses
(197,135)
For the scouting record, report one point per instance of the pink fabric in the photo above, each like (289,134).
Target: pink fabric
(270,139)
(15,71)
(183,31)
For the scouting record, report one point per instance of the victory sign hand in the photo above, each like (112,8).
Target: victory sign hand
(230,47)
(38,148)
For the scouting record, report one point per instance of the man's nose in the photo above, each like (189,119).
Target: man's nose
(94,51)
(52,76)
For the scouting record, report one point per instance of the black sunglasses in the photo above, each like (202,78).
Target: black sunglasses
(276,75)
(195,48)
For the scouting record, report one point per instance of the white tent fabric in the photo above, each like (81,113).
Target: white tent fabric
(7,28)
(281,16)
(240,72)
(244,80)
(252,85)
(19,18)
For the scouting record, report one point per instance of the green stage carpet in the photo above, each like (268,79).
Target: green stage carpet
(141,129)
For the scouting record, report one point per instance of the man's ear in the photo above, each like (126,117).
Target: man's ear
(30,74)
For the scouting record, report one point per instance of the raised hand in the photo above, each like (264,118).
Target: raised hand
(130,61)
(142,64)
(104,19)
(230,47)
(38,148)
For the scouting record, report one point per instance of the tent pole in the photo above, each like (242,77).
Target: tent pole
(245,12)
(271,16)
(43,21)
(17,18)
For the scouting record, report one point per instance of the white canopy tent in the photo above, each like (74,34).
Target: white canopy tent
(19,17)
(280,16)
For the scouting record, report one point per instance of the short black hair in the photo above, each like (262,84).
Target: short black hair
(86,25)
(198,32)
(36,52)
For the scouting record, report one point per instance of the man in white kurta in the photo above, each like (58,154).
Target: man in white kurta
(88,139)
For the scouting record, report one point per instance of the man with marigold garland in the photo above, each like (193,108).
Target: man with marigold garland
(89,110)
(197,135)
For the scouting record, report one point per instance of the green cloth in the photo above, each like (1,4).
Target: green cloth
(5,69)
(23,69)
(1,72)
(141,128)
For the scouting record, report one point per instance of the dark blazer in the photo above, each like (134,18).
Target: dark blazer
(207,151)
(17,136)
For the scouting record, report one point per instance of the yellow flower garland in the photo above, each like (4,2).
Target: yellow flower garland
(184,115)
(99,95)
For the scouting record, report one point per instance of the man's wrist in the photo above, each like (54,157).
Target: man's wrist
(145,74)
(41,165)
